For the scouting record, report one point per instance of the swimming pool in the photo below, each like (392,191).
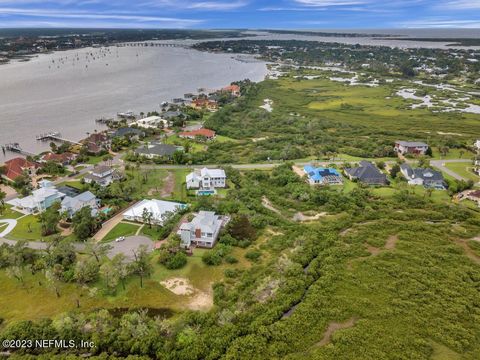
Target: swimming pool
(206,192)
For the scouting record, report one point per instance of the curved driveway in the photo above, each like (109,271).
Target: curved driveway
(10,226)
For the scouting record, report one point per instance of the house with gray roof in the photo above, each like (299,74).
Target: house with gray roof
(128,131)
(411,147)
(428,178)
(203,230)
(367,173)
(103,175)
(71,205)
(156,149)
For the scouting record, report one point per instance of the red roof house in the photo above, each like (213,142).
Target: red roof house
(64,159)
(207,133)
(232,89)
(17,166)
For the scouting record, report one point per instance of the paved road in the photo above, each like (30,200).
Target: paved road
(440,164)
(127,247)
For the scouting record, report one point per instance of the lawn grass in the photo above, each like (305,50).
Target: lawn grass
(463,169)
(8,213)
(145,183)
(180,189)
(28,228)
(121,229)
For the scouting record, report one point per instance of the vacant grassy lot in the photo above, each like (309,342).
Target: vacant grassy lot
(463,169)
(121,229)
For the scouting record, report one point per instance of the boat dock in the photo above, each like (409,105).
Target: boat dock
(55,136)
(16,148)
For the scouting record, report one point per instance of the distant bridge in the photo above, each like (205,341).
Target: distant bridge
(153,44)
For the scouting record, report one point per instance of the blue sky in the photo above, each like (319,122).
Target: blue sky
(291,14)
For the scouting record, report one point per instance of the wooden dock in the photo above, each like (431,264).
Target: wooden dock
(55,136)
(16,148)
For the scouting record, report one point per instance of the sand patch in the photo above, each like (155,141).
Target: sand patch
(391,242)
(332,327)
(179,286)
(298,170)
(373,250)
(200,300)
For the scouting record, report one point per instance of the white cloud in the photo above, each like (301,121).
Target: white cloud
(197,5)
(441,23)
(45,13)
(459,4)
(324,3)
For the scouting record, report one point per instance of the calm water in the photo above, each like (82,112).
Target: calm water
(67,91)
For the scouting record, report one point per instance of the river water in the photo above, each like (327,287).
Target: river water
(66,91)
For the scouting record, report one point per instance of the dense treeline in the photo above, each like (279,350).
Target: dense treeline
(405,296)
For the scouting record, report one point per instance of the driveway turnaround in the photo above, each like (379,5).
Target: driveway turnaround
(129,246)
(10,226)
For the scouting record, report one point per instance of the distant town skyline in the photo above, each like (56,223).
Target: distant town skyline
(287,14)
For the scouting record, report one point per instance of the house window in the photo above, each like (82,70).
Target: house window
(209,235)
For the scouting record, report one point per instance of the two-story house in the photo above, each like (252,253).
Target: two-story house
(40,199)
(71,205)
(103,175)
(202,231)
(426,177)
(410,147)
(206,179)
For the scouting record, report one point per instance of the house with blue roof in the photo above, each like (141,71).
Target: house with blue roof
(322,176)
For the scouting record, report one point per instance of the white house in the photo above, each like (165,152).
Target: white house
(102,175)
(71,205)
(202,231)
(477,145)
(40,200)
(159,210)
(206,179)
(411,147)
(151,122)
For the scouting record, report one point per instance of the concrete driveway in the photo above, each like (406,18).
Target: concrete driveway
(11,223)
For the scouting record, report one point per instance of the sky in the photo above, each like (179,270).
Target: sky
(228,14)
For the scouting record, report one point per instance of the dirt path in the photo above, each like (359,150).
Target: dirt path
(200,300)
(267,204)
(168,185)
(332,327)
(298,170)
(468,251)
(301,217)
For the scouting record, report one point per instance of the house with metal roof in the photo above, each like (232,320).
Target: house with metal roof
(40,199)
(159,210)
(322,176)
(366,173)
(202,231)
(71,205)
(428,178)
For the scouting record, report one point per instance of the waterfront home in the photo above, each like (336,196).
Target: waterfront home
(234,90)
(169,115)
(323,176)
(19,166)
(103,175)
(206,179)
(133,133)
(63,159)
(410,147)
(97,142)
(426,177)
(40,199)
(202,231)
(71,205)
(200,133)
(159,211)
(366,173)
(152,122)
(155,150)
(203,103)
